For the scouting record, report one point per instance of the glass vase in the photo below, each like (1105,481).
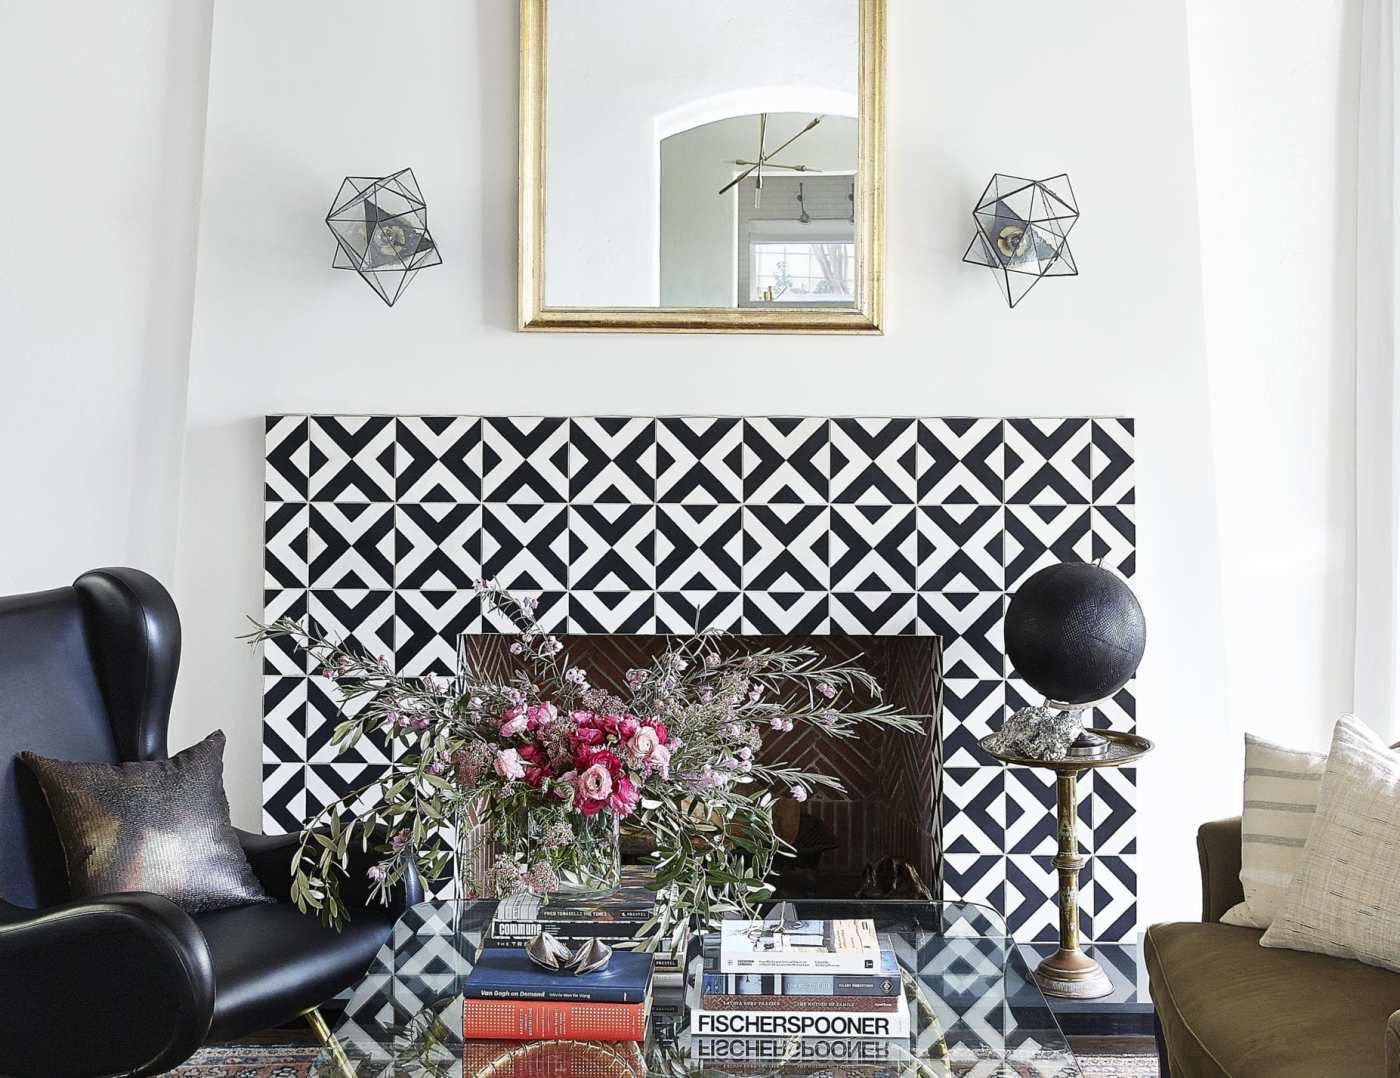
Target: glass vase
(586,866)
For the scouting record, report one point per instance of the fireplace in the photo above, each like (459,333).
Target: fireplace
(891,803)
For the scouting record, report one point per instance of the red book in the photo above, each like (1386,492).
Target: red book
(541,1020)
(553,1059)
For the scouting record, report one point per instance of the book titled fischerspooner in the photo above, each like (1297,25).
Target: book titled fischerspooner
(851,1025)
(816,946)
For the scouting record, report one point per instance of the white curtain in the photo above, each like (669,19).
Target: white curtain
(1377,385)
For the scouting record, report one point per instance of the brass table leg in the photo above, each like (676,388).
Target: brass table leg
(1069,972)
(323,1033)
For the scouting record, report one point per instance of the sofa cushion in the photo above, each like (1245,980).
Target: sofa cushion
(1230,1008)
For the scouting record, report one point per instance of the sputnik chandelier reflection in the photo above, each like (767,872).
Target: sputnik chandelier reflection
(765,158)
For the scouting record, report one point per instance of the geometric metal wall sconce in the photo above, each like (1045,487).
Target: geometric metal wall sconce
(1022,232)
(381,232)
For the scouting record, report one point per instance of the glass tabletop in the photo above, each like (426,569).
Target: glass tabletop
(974,1010)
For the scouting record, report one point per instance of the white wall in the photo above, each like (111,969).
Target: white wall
(102,145)
(276,330)
(1275,134)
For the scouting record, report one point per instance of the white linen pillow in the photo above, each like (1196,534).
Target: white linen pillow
(1345,896)
(1280,796)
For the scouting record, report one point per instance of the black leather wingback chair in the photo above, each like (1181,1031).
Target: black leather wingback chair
(129,984)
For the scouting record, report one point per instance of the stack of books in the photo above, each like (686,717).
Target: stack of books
(809,979)
(509,998)
(614,919)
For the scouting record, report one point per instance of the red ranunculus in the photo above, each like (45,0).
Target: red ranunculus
(535,776)
(660,728)
(533,753)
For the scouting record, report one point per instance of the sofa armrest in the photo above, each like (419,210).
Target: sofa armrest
(118,985)
(1218,844)
(271,859)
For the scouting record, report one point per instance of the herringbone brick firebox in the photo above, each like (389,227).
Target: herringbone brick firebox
(377,526)
(890,806)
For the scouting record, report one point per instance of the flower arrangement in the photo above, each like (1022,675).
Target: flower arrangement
(548,764)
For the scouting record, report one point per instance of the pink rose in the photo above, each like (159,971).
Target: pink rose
(642,742)
(595,783)
(509,765)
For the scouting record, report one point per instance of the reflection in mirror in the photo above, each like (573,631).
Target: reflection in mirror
(783,234)
(656,108)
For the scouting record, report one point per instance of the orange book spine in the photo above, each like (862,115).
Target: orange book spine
(540,1020)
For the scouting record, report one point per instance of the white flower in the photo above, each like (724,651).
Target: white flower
(799,794)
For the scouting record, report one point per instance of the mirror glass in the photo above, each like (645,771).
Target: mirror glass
(701,155)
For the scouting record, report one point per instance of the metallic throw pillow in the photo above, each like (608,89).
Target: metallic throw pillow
(161,826)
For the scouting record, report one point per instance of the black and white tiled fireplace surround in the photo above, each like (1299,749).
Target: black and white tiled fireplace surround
(377,526)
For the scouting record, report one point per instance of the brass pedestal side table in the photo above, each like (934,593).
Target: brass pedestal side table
(1069,972)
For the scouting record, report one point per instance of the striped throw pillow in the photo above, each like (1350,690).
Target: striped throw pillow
(1280,799)
(1345,896)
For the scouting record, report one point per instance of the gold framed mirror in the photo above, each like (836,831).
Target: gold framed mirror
(712,167)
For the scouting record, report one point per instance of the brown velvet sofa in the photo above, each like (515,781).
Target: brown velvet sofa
(1229,1008)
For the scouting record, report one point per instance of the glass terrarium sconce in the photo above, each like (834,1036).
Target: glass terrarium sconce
(1022,232)
(381,232)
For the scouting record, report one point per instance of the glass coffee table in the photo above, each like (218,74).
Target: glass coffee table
(975,1009)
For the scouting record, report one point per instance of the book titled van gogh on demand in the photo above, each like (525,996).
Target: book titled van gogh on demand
(508,973)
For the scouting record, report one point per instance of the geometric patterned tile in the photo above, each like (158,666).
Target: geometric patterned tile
(1111,462)
(873,461)
(357,616)
(427,626)
(376,526)
(288,457)
(959,462)
(525,461)
(438,545)
(1047,461)
(351,545)
(611,547)
(960,548)
(1114,898)
(872,548)
(1041,535)
(1032,910)
(699,461)
(525,547)
(438,459)
(279,656)
(1113,534)
(698,548)
(352,459)
(786,461)
(612,460)
(286,531)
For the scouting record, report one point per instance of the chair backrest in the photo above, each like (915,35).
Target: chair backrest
(86,673)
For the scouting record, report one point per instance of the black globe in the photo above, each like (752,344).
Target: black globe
(1075,632)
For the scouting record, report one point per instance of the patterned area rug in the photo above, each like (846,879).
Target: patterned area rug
(290,1056)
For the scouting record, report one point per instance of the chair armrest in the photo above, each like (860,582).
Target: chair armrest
(271,859)
(118,985)
(1218,844)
